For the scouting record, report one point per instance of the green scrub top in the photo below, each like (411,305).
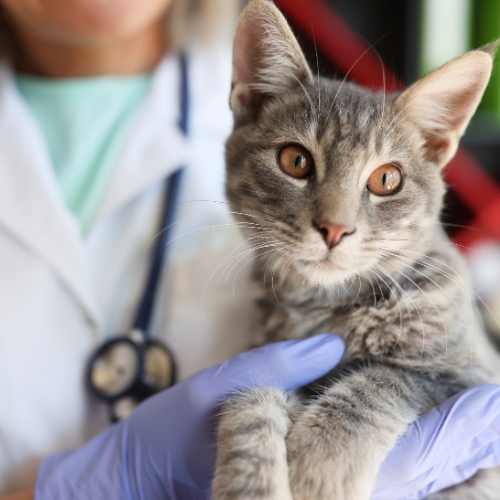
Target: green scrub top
(84,123)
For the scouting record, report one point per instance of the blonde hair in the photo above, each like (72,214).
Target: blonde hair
(205,21)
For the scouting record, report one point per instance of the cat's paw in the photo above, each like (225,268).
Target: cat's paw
(324,466)
(322,478)
(251,453)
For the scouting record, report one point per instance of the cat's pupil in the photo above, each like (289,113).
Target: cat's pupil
(295,161)
(384,179)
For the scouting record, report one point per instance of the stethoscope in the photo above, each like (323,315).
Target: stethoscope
(128,368)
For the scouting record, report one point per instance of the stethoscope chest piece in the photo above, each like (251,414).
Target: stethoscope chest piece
(127,369)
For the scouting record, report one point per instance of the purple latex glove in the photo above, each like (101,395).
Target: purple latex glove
(444,447)
(166,448)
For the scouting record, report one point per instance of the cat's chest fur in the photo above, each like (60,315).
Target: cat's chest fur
(420,318)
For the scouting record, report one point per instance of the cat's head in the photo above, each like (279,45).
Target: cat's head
(333,177)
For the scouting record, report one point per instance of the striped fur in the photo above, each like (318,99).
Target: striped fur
(394,289)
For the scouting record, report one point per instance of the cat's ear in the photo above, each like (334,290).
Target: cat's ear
(443,102)
(267,60)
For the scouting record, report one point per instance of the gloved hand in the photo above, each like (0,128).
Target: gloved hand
(166,448)
(444,447)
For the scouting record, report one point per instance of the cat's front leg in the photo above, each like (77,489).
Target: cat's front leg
(337,445)
(251,452)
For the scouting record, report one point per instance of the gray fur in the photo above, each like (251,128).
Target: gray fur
(395,289)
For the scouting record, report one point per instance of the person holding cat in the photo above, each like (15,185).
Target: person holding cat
(89,103)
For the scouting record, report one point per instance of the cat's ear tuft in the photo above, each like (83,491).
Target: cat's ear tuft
(491,48)
(267,60)
(442,103)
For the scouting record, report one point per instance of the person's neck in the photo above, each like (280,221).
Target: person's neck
(132,55)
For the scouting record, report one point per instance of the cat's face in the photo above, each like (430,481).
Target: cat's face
(333,178)
(345,143)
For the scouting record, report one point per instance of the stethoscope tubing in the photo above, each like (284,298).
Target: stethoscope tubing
(142,341)
(146,304)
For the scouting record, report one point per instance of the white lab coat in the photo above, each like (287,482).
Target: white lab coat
(61,295)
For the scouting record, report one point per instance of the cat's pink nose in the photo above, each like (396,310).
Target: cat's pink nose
(332,233)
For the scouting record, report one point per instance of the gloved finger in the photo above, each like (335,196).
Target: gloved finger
(486,457)
(441,441)
(424,484)
(286,365)
(185,411)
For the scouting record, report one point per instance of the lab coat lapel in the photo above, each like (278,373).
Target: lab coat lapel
(156,146)
(31,207)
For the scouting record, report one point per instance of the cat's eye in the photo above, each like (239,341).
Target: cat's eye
(385,180)
(296,161)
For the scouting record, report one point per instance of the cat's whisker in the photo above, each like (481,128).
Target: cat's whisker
(314,114)
(241,255)
(368,49)
(225,261)
(462,284)
(379,287)
(257,238)
(318,78)
(383,88)
(428,241)
(448,295)
(252,239)
(430,300)
(461,226)
(230,212)
(232,225)
(268,260)
(404,294)
(469,292)
(246,264)
(251,250)
(272,278)
(397,303)
(467,288)
(347,290)
(286,262)
(373,290)
(359,290)
(414,306)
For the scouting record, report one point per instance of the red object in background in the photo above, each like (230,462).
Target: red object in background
(362,65)
(340,43)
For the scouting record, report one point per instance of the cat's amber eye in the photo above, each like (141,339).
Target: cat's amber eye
(384,180)
(296,161)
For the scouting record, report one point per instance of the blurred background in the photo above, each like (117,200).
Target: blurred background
(390,44)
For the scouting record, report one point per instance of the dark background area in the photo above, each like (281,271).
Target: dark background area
(390,26)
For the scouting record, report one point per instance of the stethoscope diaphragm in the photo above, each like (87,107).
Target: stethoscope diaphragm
(127,369)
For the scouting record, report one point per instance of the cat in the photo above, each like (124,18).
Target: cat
(340,192)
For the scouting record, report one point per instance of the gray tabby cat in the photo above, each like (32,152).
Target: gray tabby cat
(340,191)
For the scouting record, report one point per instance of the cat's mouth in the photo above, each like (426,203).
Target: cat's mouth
(330,261)
(325,271)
